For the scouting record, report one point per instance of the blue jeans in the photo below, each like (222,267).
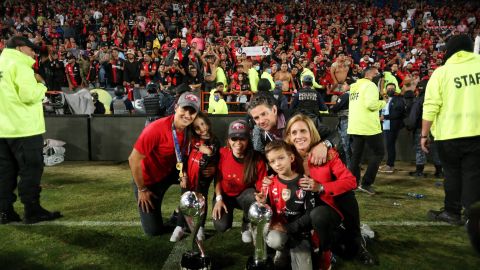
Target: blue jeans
(346,144)
(152,222)
(420,156)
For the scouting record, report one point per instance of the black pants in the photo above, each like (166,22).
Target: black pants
(351,235)
(243,202)
(460,159)
(152,222)
(375,142)
(390,143)
(20,158)
(324,221)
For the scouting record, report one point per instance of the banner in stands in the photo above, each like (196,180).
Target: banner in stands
(254,51)
(392,44)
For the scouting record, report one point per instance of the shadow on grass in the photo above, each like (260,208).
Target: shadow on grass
(139,251)
(19,260)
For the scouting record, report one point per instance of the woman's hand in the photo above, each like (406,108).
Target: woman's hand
(145,200)
(308,184)
(183,182)
(267,181)
(318,155)
(260,197)
(277,226)
(217,209)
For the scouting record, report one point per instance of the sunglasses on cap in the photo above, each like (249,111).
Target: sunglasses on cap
(238,138)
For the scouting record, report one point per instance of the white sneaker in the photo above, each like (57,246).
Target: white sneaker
(177,234)
(281,259)
(201,234)
(247,236)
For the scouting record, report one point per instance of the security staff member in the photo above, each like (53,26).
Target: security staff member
(152,104)
(451,113)
(308,101)
(21,129)
(364,127)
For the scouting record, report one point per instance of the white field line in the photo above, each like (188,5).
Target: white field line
(86,223)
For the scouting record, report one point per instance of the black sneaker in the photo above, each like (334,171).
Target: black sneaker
(365,257)
(40,214)
(367,189)
(417,174)
(439,174)
(445,216)
(473,226)
(9,216)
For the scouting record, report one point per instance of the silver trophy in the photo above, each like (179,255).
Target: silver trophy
(192,206)
(260,215)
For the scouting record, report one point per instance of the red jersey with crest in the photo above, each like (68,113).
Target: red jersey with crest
(156,144)
(230,173)
(289,201)
(197,160)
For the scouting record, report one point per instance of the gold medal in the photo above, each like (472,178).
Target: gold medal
(179,167)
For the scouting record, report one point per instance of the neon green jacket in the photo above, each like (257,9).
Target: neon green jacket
(452,98)
(221,77)
(389,78)
(217,107)
(306,72)
(253,79)
(21,110)
(364,107)
(268,76)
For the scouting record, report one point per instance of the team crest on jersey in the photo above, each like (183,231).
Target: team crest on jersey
(286,194)
(300,193)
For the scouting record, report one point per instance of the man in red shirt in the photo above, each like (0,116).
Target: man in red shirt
(159,149)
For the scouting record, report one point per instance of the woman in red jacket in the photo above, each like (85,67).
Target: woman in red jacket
(329,180)
(240,171)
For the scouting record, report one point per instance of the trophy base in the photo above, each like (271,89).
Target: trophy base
(259,265)
(193,261)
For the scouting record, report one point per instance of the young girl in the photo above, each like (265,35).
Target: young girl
(203,153)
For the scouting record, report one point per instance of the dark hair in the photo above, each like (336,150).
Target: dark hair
(297,165)
(262,98)
(207,121)
(250,162)
(264,85)
(219,84)
(368,69)
(390,84)
(457,43)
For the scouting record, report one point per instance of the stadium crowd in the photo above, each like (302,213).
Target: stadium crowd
(319,52)
(127,43)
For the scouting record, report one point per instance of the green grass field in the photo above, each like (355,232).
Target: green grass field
(101,192)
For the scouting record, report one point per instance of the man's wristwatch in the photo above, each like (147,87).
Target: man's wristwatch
(218,198)
(328,144)
(143,189)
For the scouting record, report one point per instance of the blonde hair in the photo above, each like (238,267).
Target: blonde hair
(314,135)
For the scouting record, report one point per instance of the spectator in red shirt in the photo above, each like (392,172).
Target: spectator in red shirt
(240,172)
(154,157)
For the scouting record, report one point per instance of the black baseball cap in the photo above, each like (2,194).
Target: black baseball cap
(17,41)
